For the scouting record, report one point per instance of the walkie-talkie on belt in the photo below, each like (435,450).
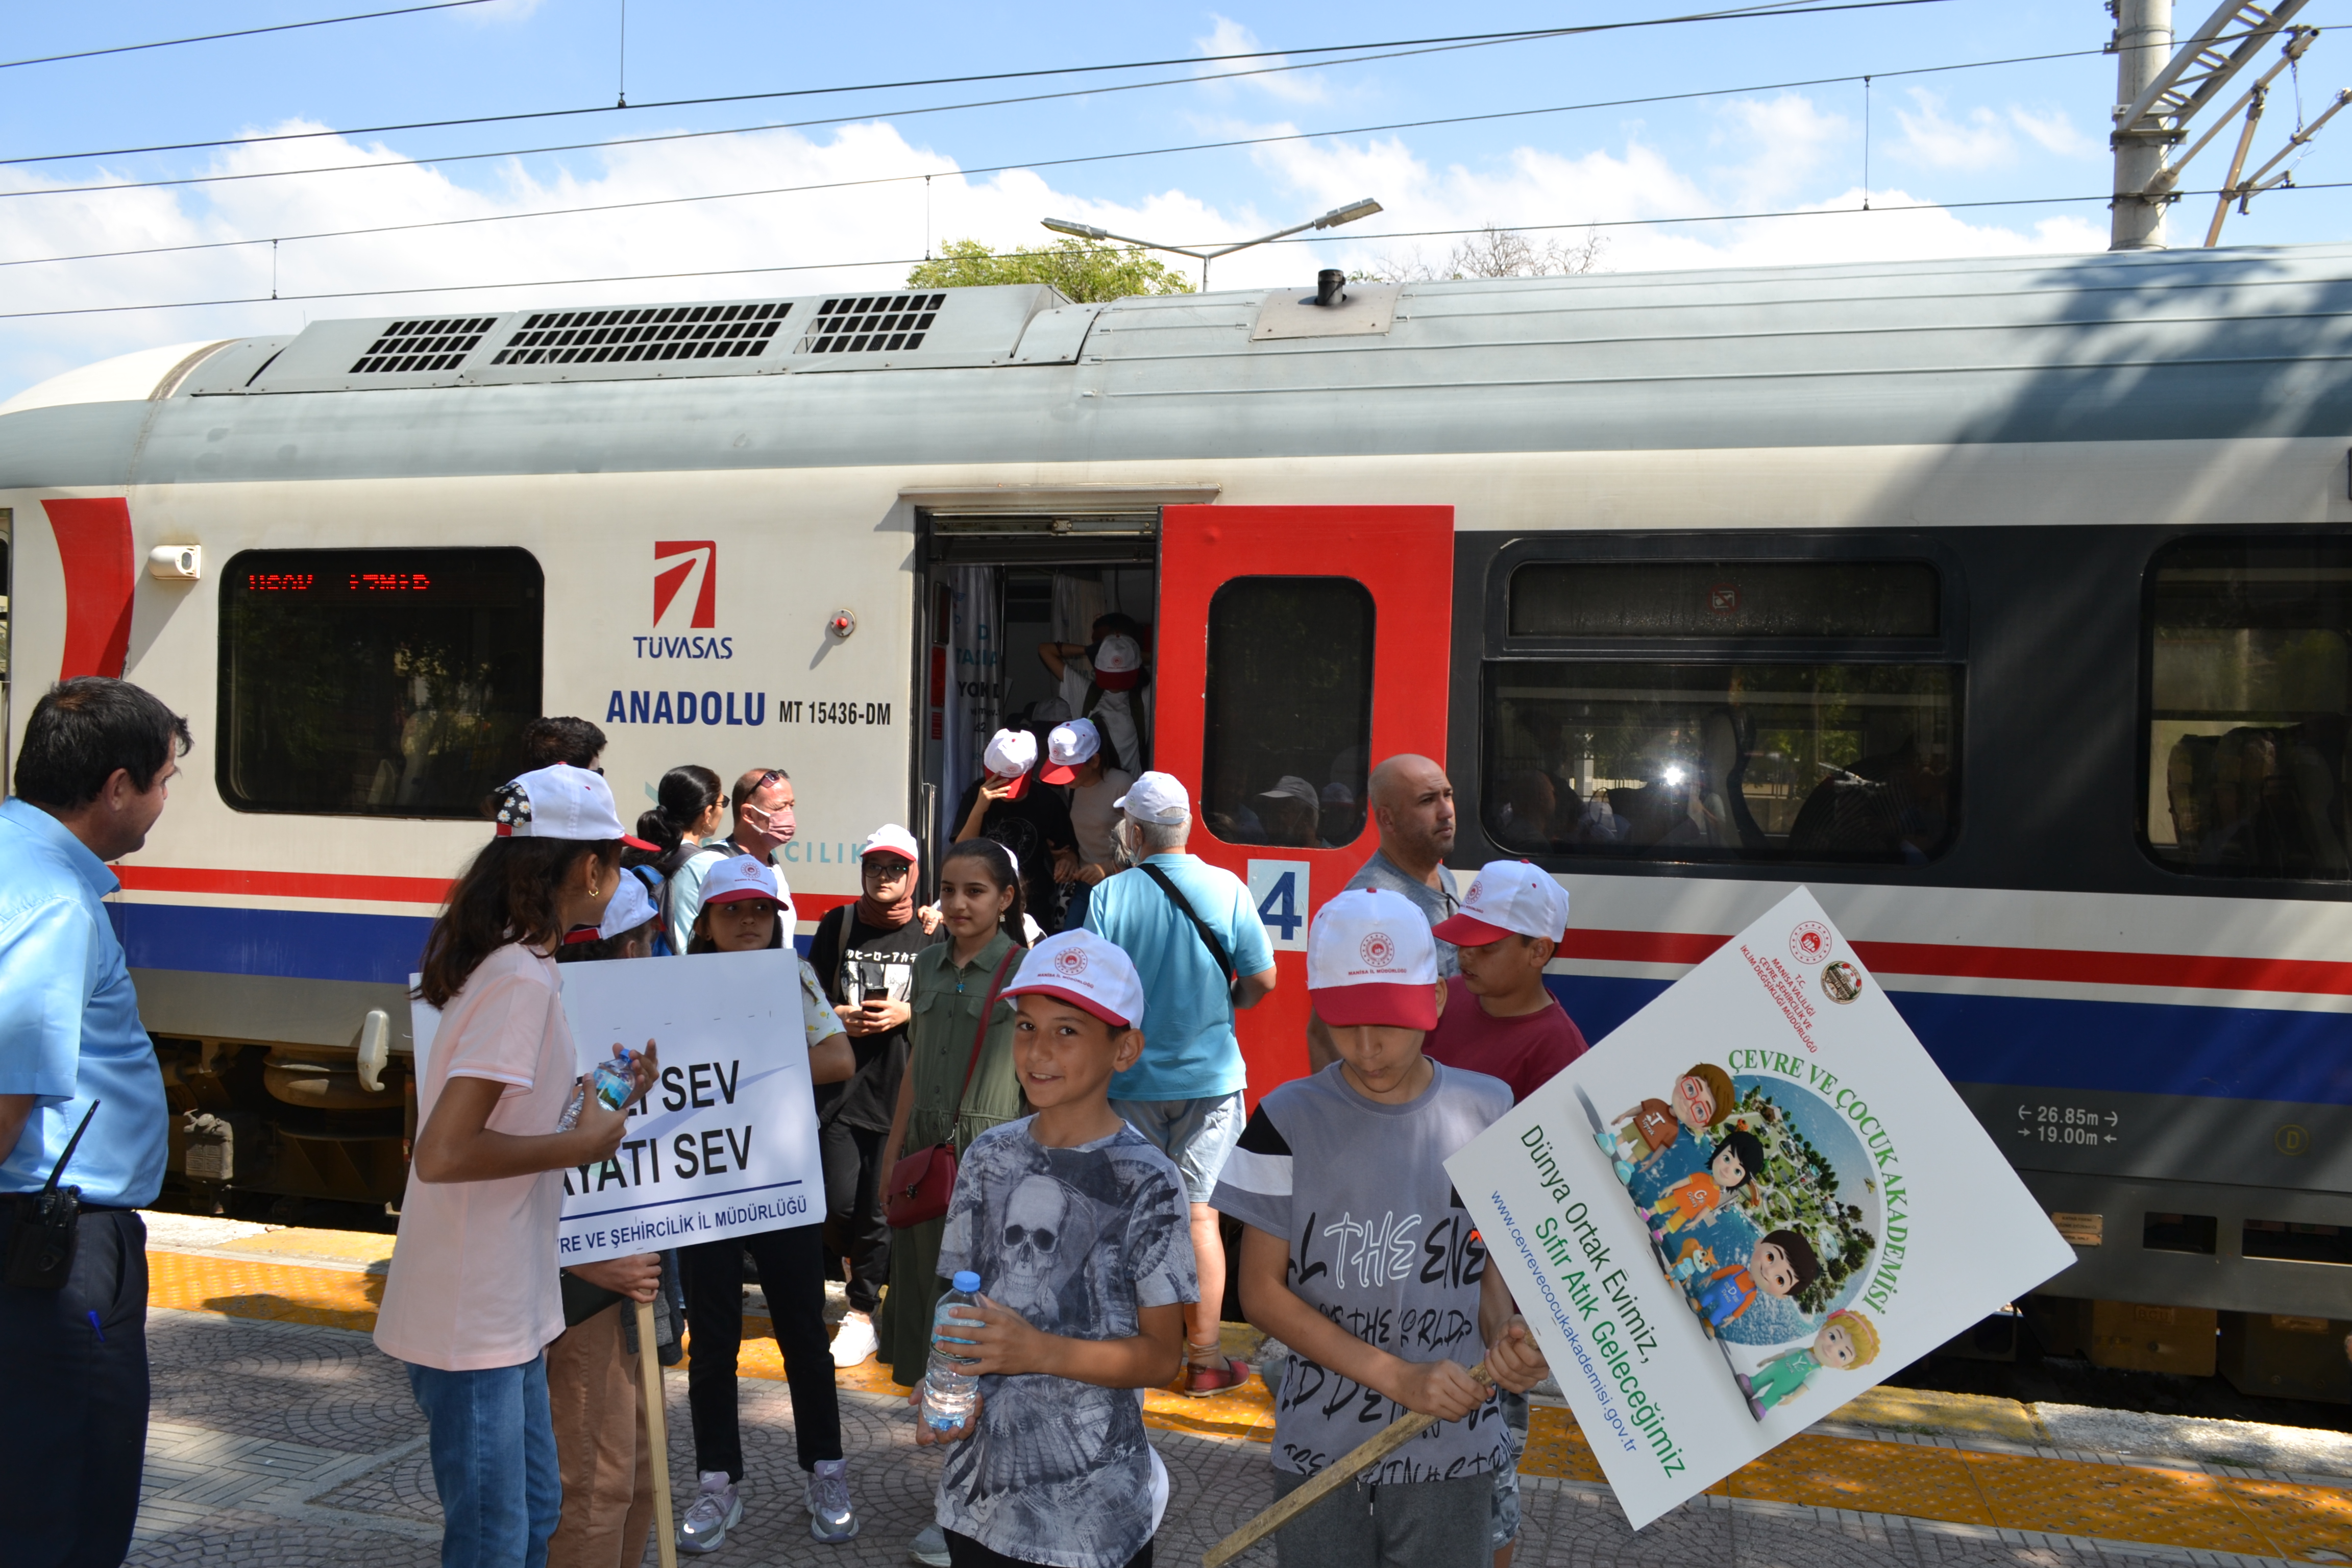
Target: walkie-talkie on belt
(41,1247)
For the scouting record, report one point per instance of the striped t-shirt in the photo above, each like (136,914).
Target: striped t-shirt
(1381,1245)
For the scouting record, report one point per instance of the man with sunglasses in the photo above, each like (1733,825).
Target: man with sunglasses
(763,825)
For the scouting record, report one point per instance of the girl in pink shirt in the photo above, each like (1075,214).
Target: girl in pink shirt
(471,1301)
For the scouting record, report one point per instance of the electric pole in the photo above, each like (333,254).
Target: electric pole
(2143,48)
(2160,88)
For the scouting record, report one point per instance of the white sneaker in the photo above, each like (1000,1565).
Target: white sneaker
(930,1547)
(832,1518)
(716,1509)
(854,1340)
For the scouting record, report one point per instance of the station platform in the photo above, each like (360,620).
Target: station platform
(280,1436)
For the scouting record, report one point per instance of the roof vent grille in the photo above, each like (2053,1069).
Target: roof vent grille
(875,323)
(615,337)
(424,345)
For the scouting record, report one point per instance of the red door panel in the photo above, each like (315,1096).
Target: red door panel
(1404,557)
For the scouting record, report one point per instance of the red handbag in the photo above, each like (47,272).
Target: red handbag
(921,1183)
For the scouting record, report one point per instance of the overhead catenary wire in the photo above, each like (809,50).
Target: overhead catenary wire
(388,293)
(1220,145)
(1397,49)
(239,33)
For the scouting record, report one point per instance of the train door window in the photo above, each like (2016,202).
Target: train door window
(2249,721)
(375,683)
(1287,724)
(1724,709)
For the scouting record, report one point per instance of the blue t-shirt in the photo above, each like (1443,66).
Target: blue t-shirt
(1188,1049)
(69,1030)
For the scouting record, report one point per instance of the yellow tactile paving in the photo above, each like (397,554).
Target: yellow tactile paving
(286,1292)
(1925,1410)
(1872,1477)
(2113,1502)
(345,1245)
(2166,1507)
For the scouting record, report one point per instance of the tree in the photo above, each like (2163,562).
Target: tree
(1494,252)
(1083,269)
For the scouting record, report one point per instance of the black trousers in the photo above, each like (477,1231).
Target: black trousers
(73,1401)
(791,1272)
(854,1226)
(963,1551)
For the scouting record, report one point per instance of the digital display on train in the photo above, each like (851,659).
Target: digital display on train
(355,581)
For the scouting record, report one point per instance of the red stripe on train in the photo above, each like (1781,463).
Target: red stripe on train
(2080,965)
(335,885)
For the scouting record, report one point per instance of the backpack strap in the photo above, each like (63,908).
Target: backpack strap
(1216,949)
(980,1038)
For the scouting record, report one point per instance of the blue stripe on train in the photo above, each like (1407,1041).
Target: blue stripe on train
(297,944)
(2235,1053)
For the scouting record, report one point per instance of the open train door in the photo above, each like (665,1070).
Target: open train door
(1296,647)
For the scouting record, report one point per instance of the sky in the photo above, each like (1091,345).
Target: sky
(1669,146)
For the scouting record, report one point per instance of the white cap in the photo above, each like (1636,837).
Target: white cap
(891,839)
(1067,747)
(1118,663)
(1157,798)
(1083,969)
(563,801)
(1370,960)
(1011,753)
(1508,896)
(745,877)
(631,907)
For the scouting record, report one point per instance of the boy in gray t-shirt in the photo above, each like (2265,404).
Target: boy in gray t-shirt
(1361,1257)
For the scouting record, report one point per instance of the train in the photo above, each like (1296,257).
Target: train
(2005,604)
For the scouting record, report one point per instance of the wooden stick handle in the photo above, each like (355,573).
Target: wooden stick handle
(1325,1481)
(656,1432)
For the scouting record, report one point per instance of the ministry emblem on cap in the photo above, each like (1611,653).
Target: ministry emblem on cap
(1378,949)
(1070,962)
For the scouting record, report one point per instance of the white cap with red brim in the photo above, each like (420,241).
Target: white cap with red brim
(1082,969)
(1157,798)
(563,801)
(891,839)
(744,877)
(1509,898)
(1118,663)
(631,907)
(1370,960)
(1011,754)
(1069,748)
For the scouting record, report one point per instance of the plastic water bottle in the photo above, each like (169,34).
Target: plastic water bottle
(949,1390)
(611,1080)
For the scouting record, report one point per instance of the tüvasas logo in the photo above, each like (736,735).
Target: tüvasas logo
(1069,963)
(1810,942)
(1378,949)
(677,561)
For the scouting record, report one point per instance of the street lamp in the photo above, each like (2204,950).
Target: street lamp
(1332,219)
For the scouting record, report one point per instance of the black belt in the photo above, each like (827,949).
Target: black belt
(12,1199)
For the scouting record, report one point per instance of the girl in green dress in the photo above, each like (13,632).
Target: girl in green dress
(980,900)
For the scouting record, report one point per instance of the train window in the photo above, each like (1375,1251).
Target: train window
(1617,599)
(375,683)
(1829,761)
(1288,723)
(2249,722)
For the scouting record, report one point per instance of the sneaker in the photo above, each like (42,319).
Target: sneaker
(832,1518)
(716,1509)
(854,1340)
(930,1547)
(1201,1382)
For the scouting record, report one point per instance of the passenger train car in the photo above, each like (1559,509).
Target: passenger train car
(2007,605)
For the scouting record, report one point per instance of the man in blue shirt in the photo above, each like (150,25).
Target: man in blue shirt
(1185,1094)
(90,781)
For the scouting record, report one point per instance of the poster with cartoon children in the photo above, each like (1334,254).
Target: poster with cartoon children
(1791,1203)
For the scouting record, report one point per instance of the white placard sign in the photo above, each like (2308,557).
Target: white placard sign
(726,1143)
(1707,1280)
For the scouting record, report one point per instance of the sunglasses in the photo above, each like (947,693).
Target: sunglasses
(1039,1237)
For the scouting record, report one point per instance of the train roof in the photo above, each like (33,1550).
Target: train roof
(2147,345)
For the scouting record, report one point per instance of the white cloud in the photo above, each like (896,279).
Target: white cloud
(1231,38)
(1791,137)
(2055,132)
(1977,140)
(1551,192)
